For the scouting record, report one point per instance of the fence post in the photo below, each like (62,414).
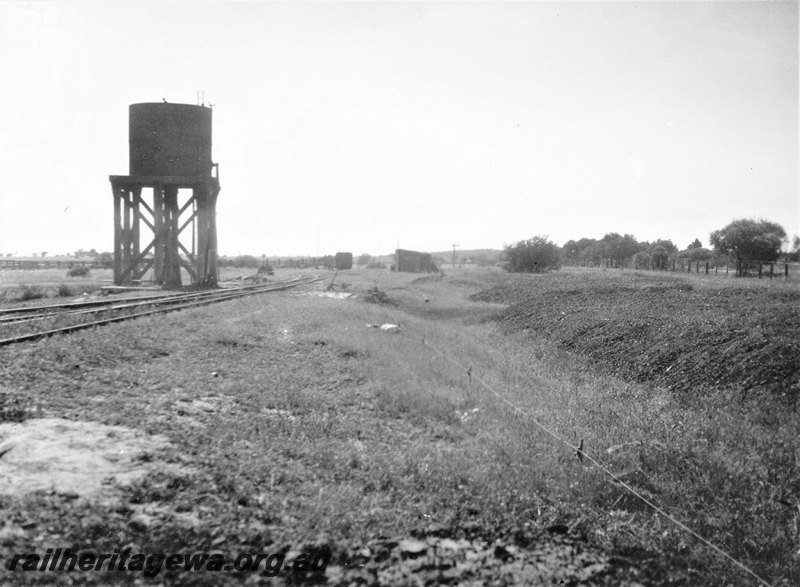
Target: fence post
(706,267)
(786,270)
(771,270)
(759,269)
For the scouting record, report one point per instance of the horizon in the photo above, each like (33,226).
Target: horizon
(785,248)
(367,127)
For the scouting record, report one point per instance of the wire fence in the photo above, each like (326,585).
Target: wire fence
(761,269)
(787,271)
(586,458)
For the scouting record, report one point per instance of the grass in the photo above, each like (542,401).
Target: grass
(719,464)
(322,430)
(30,292)
(24,285)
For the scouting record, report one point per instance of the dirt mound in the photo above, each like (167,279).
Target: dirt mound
(684,338)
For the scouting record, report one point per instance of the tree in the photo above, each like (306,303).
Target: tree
(535,255)
(695,254)
(590,251)
(660,252)
(585,251)
(794,254)
(364,259)
(570,251)
(749,240)
(643,260)
(619,248)
(695,245)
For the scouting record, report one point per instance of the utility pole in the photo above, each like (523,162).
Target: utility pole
(454,255)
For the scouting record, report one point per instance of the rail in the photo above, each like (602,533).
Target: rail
(164,304)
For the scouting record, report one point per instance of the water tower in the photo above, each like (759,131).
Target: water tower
(170,154)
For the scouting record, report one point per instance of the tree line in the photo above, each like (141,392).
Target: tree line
(740,241)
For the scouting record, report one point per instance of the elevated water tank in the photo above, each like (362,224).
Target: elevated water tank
(169,139)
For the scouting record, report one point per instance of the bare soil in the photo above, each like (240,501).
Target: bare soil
(84,459)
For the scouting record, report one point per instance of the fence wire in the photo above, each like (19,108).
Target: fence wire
(584,456)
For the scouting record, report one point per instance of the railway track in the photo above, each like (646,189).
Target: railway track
(35,322)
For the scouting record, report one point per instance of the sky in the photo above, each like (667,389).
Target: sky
(349,126)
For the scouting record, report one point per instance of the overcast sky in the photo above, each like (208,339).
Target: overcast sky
(345,126)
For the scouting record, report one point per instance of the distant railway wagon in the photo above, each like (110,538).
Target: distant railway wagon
(344,261)
(414,262)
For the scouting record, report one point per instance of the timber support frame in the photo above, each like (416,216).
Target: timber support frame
(165,217)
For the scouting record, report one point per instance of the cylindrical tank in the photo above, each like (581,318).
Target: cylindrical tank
(169,139)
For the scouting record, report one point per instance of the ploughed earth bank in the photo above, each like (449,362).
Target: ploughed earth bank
(692,338)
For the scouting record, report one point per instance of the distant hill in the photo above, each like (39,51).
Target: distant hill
(478,256)
(469,252)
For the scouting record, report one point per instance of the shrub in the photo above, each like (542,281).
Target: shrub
(78,271)
(535,255)
(30,292)
(64,291)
